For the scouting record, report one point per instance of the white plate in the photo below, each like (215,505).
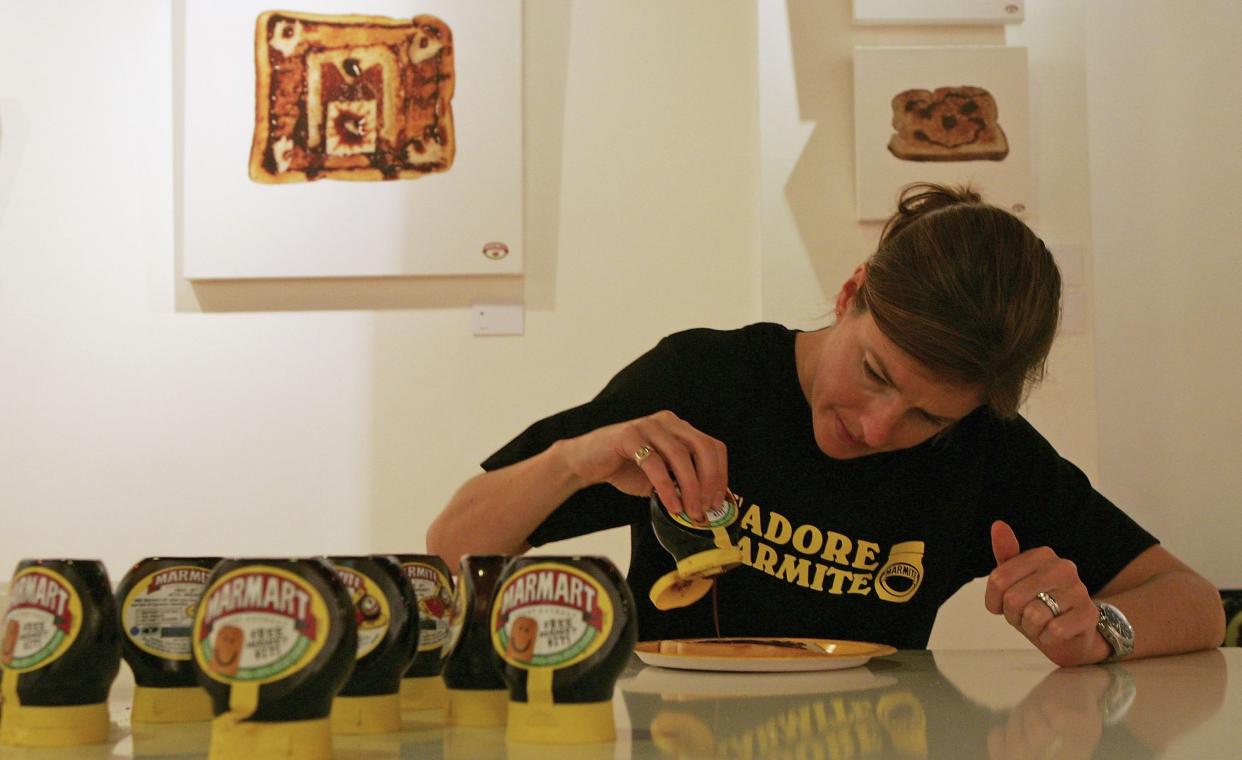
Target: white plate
(837,655)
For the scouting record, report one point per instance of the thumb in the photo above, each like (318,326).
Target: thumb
(1004,542)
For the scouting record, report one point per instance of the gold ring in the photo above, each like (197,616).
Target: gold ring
(1050,602)
(641,454)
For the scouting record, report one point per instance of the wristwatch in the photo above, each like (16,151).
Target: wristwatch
(1116,630)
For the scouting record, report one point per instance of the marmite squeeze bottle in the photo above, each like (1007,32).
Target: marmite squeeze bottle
(273,642)
(61,651)
(422,688)
(701,551)
(562,630)
(476,693)
(386,611)
(157,600)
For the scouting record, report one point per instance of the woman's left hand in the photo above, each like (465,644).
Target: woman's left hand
(1068,637)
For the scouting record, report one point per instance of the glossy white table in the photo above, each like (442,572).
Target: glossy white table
(915,704)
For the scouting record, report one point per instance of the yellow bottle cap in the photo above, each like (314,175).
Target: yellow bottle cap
(165,740)
(69,726)
(423,693)
(171,705)
(671,590)
(300,739)
(710,562)
(477,707)
(366,715)
(582,723)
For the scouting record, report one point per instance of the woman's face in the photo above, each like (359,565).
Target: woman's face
(866,394)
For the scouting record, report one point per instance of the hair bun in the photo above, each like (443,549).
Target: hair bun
(922,198)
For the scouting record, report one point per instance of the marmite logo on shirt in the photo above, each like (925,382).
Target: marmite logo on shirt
(830,562)
(258,624)
(42,621)
(550,615)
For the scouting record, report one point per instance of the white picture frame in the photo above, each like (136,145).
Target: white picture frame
(463,221)
(936,12)
(884,161)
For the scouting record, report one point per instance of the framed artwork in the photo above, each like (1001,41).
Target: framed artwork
(922,12)
(366,139)
(953,115)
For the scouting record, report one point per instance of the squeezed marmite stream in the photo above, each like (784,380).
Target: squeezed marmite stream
(61,651)
(158,597)
(274,640)
(701,552)
(387,619)
(562,630)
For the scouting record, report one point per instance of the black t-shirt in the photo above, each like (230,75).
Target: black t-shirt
(864,549)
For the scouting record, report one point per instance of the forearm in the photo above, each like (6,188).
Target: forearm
(495,512)
(1173,611)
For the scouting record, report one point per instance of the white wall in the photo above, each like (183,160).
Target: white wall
(1166,200)
(144,415)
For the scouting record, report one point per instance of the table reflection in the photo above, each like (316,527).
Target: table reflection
(909,707)
(915,704)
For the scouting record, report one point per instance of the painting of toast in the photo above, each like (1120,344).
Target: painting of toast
(351,97)
(954,115)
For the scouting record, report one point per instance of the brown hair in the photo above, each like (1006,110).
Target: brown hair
(967,290)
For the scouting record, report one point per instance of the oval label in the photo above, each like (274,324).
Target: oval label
(158,612)
(550,615)
(42,621)
(721,516)
(435,603)
(371,610)
(258,624)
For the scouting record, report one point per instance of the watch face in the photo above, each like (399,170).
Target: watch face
(1116,630)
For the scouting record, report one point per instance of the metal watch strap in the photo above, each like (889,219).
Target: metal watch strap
(1116,630)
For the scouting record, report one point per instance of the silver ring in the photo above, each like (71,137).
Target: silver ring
(1050,602)
(641,454)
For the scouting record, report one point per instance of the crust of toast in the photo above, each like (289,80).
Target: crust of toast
(351,97)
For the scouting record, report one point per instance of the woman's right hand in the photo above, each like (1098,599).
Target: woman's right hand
(681,459)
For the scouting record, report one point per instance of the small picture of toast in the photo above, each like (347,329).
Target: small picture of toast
(226,656)
(522,635)
(11,632)
(351,97)
(949,124)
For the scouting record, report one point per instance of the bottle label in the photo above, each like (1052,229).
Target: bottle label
(158,612)
(259,624)
(550,615)
(435,601)
(721,516)
(371,609)
(457,618)
(42,621)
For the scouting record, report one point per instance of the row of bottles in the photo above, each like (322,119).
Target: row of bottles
(355,639)
(285,652)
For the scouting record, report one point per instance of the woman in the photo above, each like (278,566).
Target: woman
(880,464)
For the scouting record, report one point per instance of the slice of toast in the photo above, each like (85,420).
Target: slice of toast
(351,97)
(739,647)
(949,124)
